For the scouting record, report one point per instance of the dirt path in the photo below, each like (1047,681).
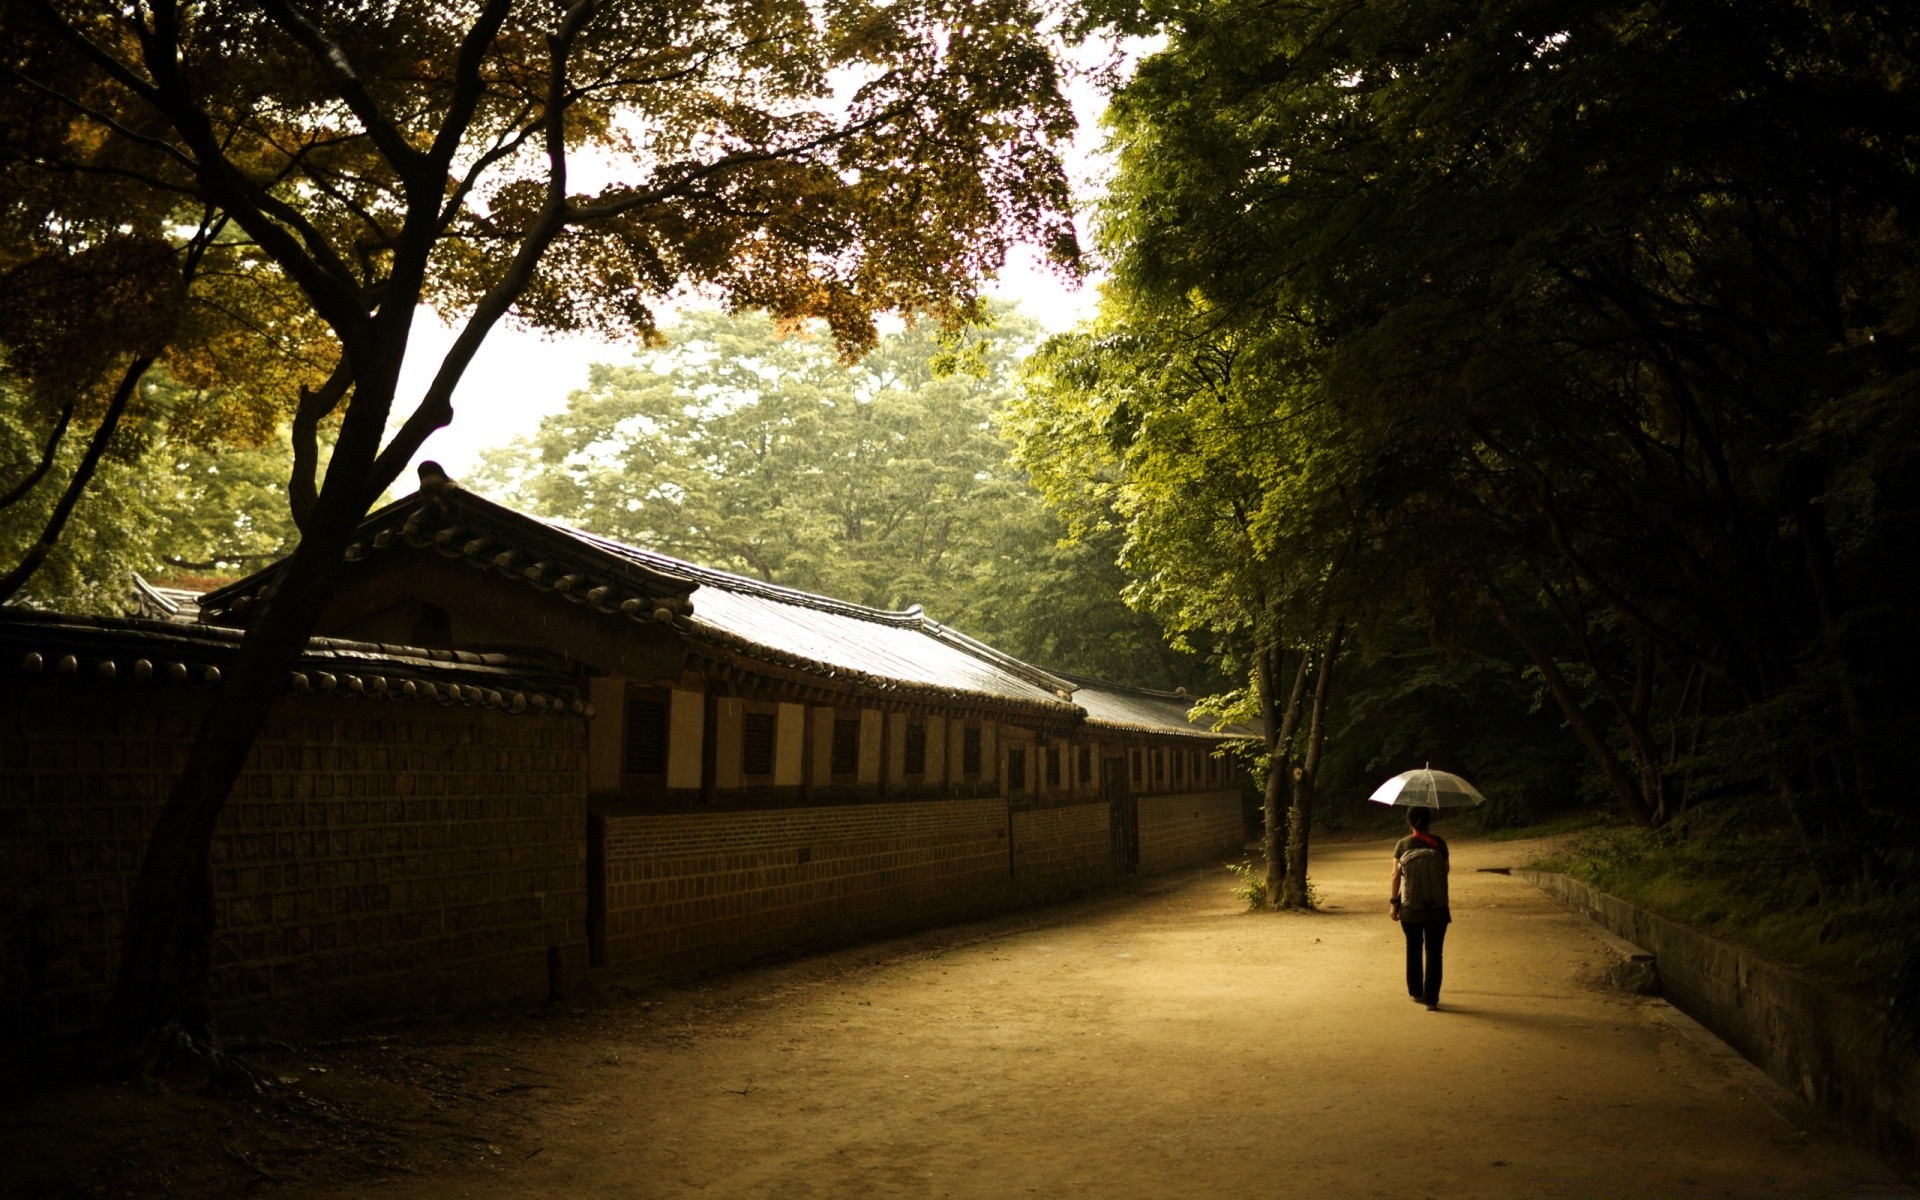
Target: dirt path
(1168,1045)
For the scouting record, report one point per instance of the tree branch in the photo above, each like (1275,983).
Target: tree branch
(468,86)
(744,158)
(30,562)
(333,63)
(436,407)
(19,490)
(281,230)
(211,223)
(315,405)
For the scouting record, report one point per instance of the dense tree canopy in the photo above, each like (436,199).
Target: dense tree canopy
(1593,323)
(883,481)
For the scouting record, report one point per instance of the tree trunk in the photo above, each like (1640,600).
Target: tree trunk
(164,986)
(1300,819)
(1269,665)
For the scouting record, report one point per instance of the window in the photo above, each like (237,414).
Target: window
(970,752)
(1179,766)
(1159,765)
(1053,766)
(756,743)
(846,745)
(1136,768)
(1016,769)
(1086,765)
(915,749)
(646,736)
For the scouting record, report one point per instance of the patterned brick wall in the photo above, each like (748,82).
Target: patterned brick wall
(376,857)
(694,889)
(1061,851)
(1186,828)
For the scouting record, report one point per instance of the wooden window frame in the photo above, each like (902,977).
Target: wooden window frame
(635,697)
(850,728)
(970,752)
(913,749)
(752,715)
(1016,768)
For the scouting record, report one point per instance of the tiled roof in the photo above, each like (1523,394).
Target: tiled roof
(131,650)
(164,603)
(874,644)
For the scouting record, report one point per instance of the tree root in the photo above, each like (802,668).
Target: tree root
(164,1053)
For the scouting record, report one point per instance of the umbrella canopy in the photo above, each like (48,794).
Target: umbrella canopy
(1427,788)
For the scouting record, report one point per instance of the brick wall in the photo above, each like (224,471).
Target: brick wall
(1186,828)
(695,889)
(376,857)
(1062,850)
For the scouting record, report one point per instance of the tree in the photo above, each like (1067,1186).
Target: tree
(379,157)
(742,446)
(1232,522)
(1605,314)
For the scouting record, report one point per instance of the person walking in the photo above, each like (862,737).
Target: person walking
(1419,903)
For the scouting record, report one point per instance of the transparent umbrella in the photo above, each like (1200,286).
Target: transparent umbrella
(1427,788)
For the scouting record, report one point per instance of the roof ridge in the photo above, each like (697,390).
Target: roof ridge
(1052,681)
(909,617)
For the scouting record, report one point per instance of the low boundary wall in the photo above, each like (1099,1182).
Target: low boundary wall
(1183,828)
(697,889)
(691,890)
(1831,1050)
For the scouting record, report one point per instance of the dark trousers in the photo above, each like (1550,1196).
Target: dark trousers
(1427,936)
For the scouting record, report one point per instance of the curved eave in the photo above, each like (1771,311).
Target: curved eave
(492,539)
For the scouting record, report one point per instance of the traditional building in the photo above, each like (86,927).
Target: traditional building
(722,768)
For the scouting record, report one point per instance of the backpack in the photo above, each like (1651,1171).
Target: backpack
(1423,878)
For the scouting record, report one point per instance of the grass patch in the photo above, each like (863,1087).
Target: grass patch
(1747,883)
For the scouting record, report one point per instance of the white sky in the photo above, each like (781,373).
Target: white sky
(517,378)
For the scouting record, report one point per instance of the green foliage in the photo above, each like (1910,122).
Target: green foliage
(90,569)
(164,504)
(1736,874)
(1250,885)
(760,450)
